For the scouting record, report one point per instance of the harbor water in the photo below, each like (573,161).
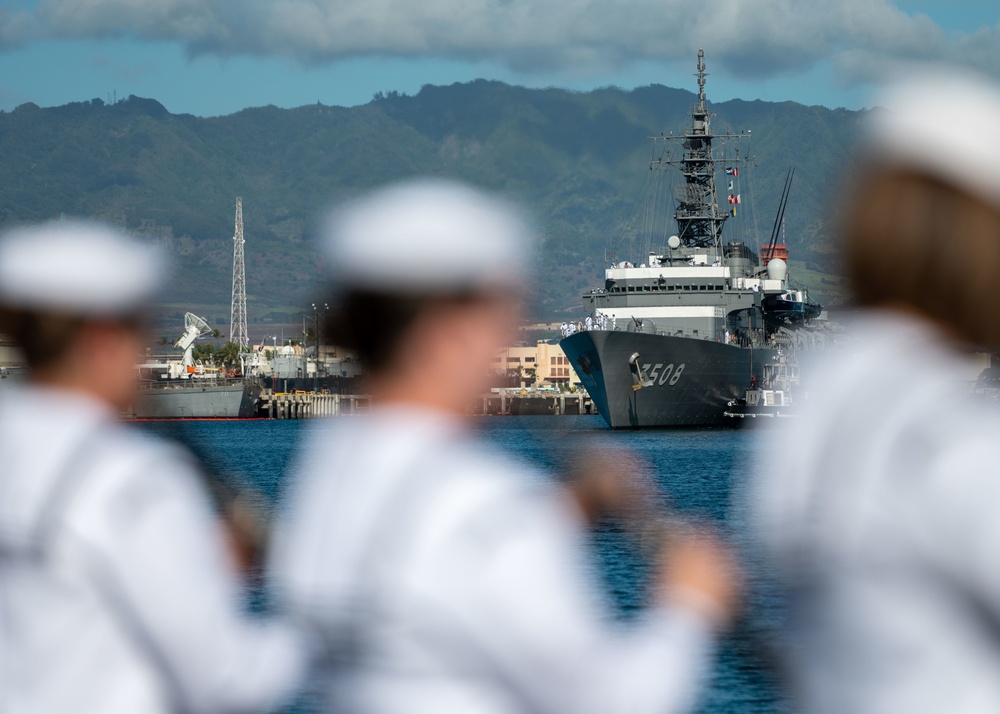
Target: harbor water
(700,470)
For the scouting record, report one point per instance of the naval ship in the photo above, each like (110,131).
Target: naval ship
(673,340)
(185,389)
(198,398)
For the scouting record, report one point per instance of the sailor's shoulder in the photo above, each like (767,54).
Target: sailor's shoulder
(123,475)
(489,493)
(477,465)
(131,453)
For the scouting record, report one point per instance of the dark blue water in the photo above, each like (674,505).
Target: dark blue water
(699,471)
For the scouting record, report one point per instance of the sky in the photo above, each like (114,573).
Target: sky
(215,57)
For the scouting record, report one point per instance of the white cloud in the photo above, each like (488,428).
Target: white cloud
(746,38)
(17,28)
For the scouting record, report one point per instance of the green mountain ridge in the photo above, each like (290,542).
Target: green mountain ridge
(576,159)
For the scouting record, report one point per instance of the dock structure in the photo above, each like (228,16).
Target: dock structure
(313,405)
(533,404)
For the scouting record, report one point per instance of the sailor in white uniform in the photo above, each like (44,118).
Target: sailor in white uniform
(441,576)
(116,592)
(879,520)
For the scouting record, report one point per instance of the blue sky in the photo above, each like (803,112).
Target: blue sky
(211,57)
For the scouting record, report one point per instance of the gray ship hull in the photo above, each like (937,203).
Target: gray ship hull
(692,380)
(189,399)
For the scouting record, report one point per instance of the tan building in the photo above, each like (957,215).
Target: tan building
(10,355)
(541,362)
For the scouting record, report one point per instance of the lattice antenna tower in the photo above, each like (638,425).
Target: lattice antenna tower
(238,313)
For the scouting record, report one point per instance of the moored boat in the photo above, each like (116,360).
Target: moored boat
(185,389)
(773,397)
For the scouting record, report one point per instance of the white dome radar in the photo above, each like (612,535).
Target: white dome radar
(777,269)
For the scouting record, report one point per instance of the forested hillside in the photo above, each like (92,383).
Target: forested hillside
(578,159)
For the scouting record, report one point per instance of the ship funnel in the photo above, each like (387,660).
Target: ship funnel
(777,269)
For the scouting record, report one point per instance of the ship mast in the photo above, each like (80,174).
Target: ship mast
(699,221)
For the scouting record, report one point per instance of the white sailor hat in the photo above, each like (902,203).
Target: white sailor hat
(943,122)
(428,236)
(77,268)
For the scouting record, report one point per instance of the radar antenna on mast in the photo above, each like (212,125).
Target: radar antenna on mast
(701,78)
(238,312)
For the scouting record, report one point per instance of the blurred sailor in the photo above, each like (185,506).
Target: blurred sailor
(116,593)
(882,527)
(442,576)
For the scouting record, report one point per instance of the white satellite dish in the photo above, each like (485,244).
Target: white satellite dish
(192,321)
(194,327)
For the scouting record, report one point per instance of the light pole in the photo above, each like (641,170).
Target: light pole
(316,331)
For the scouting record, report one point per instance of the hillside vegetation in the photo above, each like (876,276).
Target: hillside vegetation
(577,159)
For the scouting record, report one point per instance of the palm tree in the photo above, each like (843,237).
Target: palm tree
(228,356)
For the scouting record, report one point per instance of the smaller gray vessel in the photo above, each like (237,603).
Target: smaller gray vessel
(197,399)
(186,390)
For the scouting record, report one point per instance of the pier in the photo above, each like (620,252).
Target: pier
(310,405)
(314,405)
(558,404)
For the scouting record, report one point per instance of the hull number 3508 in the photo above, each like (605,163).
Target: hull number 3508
(668,376)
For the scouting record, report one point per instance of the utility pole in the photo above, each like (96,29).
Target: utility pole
(316,321)
(238,312)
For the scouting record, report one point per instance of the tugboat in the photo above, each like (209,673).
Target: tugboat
(676,338)
(772,398)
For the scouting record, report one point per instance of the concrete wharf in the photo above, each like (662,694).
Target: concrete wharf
(310,405)
(313,405)
(533,403)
